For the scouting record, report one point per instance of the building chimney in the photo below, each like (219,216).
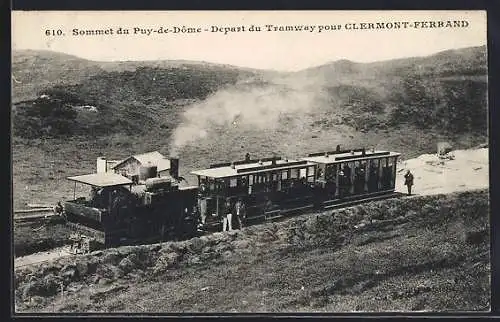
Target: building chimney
(326,154)
(338,148)
(174,168)
(232,165)
(101,165)
(247,157)
(363,152)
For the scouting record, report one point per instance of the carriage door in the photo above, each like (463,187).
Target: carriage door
(386,174)
(392,172)
(373,177)
(359,177)
(331,178)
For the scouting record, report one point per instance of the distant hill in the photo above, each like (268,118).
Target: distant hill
(445,92)
(467,61)
(36,70)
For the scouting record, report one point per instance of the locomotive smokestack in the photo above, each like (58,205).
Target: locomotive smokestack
(174,168)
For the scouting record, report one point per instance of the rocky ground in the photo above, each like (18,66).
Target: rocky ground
(424,253)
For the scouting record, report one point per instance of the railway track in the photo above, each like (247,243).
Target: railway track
(32,214)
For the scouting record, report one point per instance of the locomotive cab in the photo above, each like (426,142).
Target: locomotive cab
(118,212)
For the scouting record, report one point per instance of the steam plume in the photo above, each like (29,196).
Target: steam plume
(247,106)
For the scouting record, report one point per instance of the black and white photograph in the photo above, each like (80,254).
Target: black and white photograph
(222,162)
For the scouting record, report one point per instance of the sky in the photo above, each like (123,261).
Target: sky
(278,50)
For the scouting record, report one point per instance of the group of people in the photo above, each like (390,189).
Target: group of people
(238,209)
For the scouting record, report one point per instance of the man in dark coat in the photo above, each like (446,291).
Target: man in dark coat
(240,210)
(409,181)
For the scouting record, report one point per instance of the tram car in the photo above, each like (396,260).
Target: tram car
(147,209)
(275,187)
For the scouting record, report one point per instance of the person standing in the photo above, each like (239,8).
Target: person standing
(227,223)
(202,208)
(409,181)
(240,212)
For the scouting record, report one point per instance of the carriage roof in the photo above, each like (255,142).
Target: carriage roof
(251,168)
(356,155)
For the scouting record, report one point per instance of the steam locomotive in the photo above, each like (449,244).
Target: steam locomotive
(150,208)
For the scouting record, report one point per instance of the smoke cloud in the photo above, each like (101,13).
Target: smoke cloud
(247,106)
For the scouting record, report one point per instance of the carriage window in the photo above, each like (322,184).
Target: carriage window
(233,182)
(347,168)
(311,174)
(331,172)
(303,173)
(250,180)
(284,175)
(321,171)
(242,181)
(294,173)
(221,184)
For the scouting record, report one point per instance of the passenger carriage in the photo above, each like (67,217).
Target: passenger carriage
(267,187)
(275,187)
(344,175)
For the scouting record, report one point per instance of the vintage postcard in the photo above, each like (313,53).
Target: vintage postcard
(224,162)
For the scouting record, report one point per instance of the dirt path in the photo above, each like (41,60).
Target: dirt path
(37,258)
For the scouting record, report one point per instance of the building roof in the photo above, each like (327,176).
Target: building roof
(343,157)
(106,179)
(155,158)
(249,168)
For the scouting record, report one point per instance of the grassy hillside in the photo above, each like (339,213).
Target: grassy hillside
(34,71)
(206,112)
(420,254)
